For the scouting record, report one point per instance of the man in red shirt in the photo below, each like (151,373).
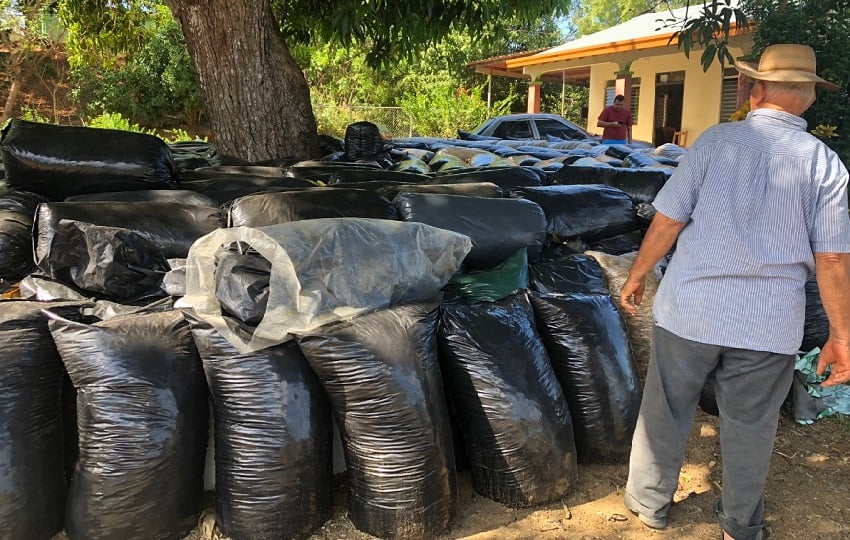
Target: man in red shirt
(617,121)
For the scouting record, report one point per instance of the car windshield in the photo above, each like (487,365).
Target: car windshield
(559,129)
(514,129)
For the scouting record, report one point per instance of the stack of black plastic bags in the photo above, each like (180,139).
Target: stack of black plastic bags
(441,320)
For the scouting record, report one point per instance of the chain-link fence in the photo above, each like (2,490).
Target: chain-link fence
(333,119)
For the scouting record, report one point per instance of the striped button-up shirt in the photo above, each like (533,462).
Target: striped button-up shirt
(759,197)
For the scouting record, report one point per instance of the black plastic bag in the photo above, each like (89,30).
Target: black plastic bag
(24,202)
(193,154)
(816,327)
(272,439)
(142,409)
(637,160)
(61,161)
(381,373)
(183,196)
(45,289)
(498,227)
(16,259)
(587,343)
(472,189)
(107,262)
(574,273)
(224,190)
(642,185)
(708,399)
(234,172)
(508,403)
(591,212)
(645,213)
(619,244)
(619,151)
(363,140)
(412,165)
(264,209)
(32,477)
(172,227)
(324,171)
(504,177)
(242,282)
(357,175)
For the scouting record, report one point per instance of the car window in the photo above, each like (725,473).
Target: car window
(514,129)
(548,126)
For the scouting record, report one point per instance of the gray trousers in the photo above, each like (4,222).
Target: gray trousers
(750,388)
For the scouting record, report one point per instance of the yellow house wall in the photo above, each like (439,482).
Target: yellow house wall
(700,101)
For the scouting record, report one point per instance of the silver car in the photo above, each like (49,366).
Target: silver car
(532,126)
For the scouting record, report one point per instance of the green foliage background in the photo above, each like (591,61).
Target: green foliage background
(825,26)
(152,82)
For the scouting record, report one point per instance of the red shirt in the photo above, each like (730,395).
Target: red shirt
(610,114)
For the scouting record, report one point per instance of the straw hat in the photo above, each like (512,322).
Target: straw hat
(785,63)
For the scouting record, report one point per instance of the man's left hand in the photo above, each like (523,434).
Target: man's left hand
(836,355)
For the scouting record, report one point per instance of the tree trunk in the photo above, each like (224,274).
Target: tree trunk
(255,95)
(14,91)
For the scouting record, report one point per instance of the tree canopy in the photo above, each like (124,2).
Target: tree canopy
(254,91)
(591,16)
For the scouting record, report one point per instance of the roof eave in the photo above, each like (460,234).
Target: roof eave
(641,43)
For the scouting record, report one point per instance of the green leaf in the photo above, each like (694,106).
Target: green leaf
(708,56)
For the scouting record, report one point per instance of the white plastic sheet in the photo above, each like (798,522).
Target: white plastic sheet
(326,270)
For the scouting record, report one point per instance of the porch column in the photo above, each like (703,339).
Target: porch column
(534,96)
(623,86)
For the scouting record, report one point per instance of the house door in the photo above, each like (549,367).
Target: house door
(669,93)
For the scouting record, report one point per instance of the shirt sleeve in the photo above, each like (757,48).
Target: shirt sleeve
(604,115)
(678,198)
(830,231)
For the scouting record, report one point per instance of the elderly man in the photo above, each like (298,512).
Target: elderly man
(755,208)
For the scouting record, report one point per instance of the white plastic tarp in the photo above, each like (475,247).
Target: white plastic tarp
(325,270)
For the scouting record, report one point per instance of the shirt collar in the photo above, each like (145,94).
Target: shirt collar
(780,117)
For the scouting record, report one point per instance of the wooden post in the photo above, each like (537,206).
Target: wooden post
(534,97)
(489,91)
(745,84)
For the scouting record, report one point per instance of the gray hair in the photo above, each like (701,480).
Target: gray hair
(805,91)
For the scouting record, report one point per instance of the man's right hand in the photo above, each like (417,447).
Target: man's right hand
(631,295)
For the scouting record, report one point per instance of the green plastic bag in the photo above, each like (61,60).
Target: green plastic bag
(493,285)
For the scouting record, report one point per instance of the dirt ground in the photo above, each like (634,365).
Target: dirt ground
(808,496)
